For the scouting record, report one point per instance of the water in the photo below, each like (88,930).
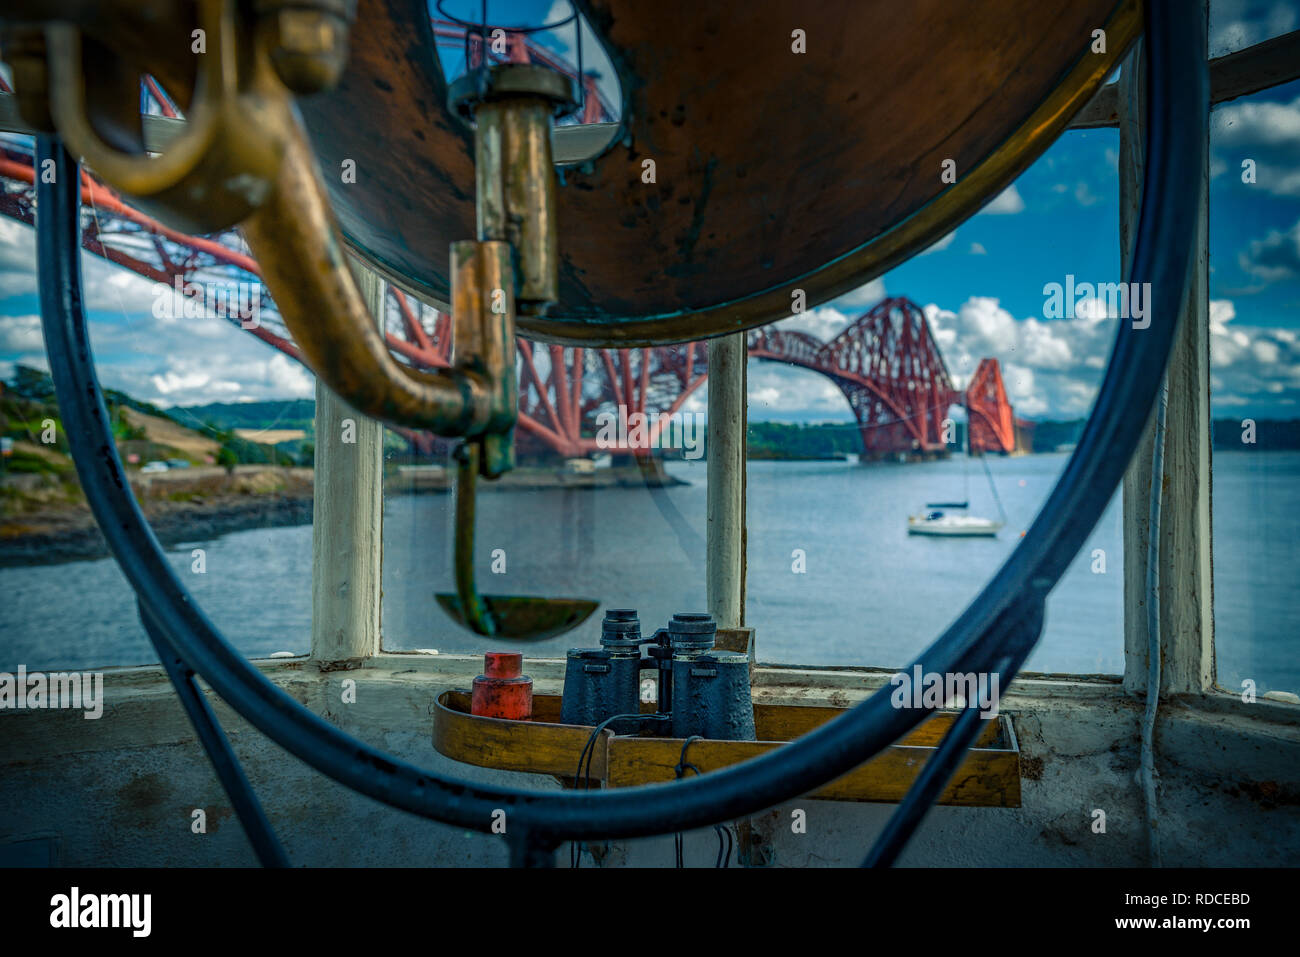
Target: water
(868,594)
(1256,513)
(256,587)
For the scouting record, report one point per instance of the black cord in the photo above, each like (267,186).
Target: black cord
(679,839)
(58,234)
(724,831)
(588,754)
(929,784)
(269,851)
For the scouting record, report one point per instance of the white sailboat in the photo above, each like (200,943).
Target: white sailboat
(937,520)
(953,526)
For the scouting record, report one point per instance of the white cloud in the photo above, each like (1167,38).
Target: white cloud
(1222,312)
(158,359)
(1266,351)
(1251,365)
(21,334)
(942,244)
(1049,367)
(1084,196)
(1006,203)
(17,259)
(788,392)
(1236,24)
(823,323)
(1052,368)
(864,297)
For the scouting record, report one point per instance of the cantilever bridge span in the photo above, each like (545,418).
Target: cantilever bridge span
(886,362)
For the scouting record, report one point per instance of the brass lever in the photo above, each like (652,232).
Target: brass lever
(513,617)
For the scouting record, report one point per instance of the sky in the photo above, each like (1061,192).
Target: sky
(981,287)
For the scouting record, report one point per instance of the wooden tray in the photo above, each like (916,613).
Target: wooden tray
(989,777)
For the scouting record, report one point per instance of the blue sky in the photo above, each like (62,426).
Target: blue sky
(981,286)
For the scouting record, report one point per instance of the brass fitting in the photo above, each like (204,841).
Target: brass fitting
(483,340)
(221,168)
(244,158)
(307,41)
(512,107)
(23,48)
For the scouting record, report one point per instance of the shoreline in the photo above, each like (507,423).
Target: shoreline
(199,504)
(69,535)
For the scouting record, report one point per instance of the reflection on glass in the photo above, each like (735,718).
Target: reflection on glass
(1237,24)
(589,525)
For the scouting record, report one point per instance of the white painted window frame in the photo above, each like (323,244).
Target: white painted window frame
(347,559)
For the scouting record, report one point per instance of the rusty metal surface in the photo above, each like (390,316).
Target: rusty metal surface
(503,690)
(772,169)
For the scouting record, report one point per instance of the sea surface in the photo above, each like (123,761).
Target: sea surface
(833,576)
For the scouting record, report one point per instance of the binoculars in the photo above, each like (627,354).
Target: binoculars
(704,692)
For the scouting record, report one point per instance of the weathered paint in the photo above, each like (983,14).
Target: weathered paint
(1230,774)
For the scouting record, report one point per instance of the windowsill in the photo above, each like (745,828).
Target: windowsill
(140,707)
(809,684)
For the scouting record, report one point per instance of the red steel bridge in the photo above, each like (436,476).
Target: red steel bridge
(886,362)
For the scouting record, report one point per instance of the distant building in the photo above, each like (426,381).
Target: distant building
(1024,435)
(270,436)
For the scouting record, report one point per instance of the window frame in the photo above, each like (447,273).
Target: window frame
(347,633)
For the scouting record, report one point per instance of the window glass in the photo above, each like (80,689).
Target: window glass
(213,423)
(1254,387)
(996,313)
(529,31)
(1237,24)
(602,505)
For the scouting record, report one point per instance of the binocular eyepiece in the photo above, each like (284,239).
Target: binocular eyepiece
(705,692)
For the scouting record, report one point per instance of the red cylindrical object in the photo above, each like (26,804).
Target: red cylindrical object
(502,691)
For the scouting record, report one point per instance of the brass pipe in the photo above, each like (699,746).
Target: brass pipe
(508,617)
(483,337)
(516,191)
(511,107)
(472,606)
(245,156)
(295,237)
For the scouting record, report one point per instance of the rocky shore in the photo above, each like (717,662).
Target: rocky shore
(45,522)
(47,526)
